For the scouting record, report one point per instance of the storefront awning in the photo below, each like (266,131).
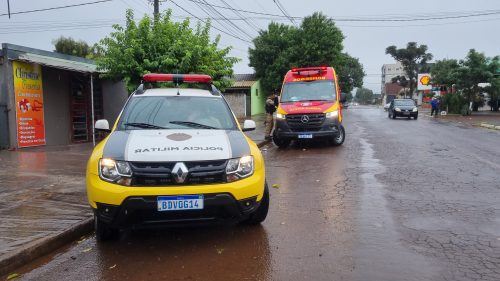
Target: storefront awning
(59,63)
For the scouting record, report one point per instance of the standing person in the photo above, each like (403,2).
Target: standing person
(270,109)
(435,106)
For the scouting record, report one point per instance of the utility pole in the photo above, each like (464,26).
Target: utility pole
(156,9)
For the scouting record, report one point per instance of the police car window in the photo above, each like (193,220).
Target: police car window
(314,90)
(177,112)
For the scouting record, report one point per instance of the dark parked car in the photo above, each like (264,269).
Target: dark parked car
(403,108)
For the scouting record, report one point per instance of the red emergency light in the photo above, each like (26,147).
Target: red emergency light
(177,78)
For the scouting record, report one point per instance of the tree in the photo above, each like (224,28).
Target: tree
(162,45)
(348,97)
(364,96)
(444,72)
(69,46)
(316,42)
(467,75)
(413,58)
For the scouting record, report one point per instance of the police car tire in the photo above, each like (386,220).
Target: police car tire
(104,232)
(261,213)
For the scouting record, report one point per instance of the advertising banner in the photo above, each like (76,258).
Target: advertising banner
(29,104)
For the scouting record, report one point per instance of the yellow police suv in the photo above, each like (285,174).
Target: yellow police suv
(174,156)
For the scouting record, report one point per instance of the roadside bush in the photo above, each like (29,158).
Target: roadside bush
(454,103)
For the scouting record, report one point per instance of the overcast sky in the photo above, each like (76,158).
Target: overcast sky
(367,40)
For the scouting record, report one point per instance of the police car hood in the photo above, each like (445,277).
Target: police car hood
(175,145)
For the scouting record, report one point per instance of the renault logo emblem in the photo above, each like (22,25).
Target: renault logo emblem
(179,172)
(304,119)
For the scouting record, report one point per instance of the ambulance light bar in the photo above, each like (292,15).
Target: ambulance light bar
(177,78)
(314,68)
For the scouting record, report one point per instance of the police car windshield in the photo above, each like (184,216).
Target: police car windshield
(314,90)
(177,112)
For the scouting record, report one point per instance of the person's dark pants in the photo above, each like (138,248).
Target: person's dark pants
(434,111)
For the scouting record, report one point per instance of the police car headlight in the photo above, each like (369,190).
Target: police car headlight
(415,109)
(115,171)
(332,114)
(280,116)
(239,168)
(397,109)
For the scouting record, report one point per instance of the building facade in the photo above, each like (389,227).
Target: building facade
(47,98)
(390,71)
(245,96)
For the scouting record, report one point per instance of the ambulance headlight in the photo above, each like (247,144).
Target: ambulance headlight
(239,168)
(332,114)
(115,171)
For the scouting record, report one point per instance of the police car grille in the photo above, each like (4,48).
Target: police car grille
(160,173)
(295,123)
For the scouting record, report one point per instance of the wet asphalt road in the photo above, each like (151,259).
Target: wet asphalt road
(400,200)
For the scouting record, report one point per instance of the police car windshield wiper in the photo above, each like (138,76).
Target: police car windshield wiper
(144,125)
(192,124)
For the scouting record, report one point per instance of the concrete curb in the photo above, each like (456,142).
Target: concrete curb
(262,143)
(489,126)
(40,247)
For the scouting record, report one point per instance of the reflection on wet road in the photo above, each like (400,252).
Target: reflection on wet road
(400,200)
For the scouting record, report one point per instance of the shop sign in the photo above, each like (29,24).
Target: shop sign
(424,82)
(29,104)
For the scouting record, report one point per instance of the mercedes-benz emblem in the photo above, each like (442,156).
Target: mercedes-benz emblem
(304,119)
(179,172)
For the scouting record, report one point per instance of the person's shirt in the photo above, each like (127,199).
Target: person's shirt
(270,106)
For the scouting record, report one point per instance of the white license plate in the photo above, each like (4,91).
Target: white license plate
(305,136)
(181,202)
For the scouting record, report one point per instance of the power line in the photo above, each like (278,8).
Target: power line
(253,26)
(282,9)
(406,17)
(239,10)
(236,37)
(228,21)
(423,18)
(230,29)
(57,8)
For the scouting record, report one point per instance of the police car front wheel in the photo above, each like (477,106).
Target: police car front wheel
(103,232)
(261,213)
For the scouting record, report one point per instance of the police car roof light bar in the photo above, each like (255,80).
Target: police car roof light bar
(177,78)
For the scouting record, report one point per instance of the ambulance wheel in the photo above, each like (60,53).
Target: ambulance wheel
(281,142)
(339,139)
(103,232)
(261,213)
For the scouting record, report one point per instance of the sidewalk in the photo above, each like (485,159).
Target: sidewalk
(43,201)
(258,134)
(476,119)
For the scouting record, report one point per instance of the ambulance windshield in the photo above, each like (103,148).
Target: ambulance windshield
(313,90)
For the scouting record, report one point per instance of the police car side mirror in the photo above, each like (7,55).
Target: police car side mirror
(102,125)
(249,125)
